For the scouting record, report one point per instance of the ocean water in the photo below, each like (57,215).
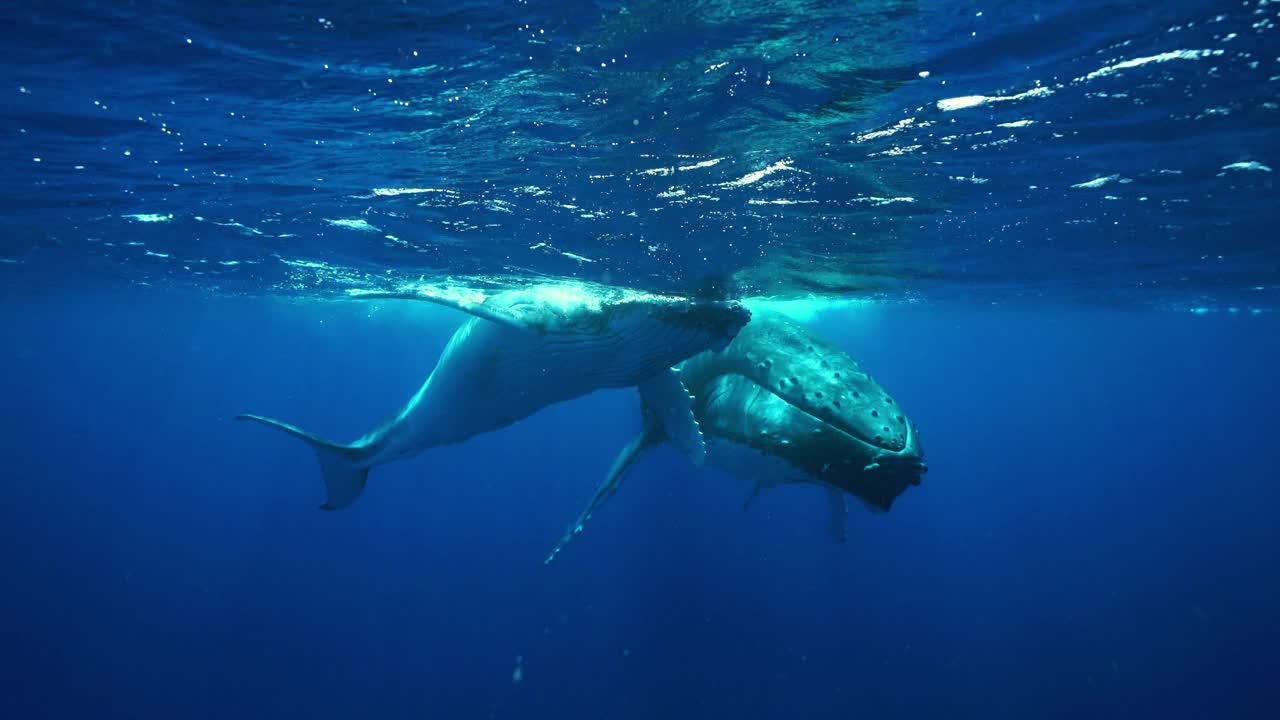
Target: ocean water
(1046,228)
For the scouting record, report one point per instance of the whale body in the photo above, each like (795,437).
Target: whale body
(779,405)
(528,348)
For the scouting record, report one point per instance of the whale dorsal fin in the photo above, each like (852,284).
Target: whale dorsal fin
(481,309)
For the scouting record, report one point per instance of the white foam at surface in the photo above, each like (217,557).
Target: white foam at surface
(968,101)
(392,192)
(759,175)
(700,165)
(1161,58)
(1251,165)
(1096,182)
(879,201)
(353,224)
(899,126)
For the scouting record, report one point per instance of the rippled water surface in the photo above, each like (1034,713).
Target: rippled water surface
(1088,150)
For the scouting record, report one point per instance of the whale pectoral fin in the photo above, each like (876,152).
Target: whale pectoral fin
(651,435)
(494,313)
(344,478)
(672,406)
(836,513)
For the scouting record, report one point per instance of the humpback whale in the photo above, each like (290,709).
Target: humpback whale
(779,405)
(524,349)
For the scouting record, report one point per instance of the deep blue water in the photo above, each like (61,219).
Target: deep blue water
(1046,228)
(1095,537)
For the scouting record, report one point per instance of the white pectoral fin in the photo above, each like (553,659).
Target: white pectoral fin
(672,407)
(651,435)
(495,313)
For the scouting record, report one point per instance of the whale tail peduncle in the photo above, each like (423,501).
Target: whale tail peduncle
(341,466)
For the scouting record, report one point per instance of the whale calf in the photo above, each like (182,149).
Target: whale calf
(525,349)
(779,405)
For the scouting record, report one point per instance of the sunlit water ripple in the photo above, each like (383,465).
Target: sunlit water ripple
(1008,151)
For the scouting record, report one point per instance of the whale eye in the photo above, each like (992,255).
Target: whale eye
(818,395)
(875,413)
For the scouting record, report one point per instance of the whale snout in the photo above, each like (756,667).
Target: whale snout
(709,324)
(739,317)
(724,322)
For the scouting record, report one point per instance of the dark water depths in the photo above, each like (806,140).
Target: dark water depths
(1095,536)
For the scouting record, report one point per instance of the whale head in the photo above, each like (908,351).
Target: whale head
(784,392)
(710,324)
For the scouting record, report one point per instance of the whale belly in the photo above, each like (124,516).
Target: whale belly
(751,464)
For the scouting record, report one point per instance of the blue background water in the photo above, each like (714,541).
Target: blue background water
(1073,281)
(1096,534)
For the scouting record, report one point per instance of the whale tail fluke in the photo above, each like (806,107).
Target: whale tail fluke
(340,465)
